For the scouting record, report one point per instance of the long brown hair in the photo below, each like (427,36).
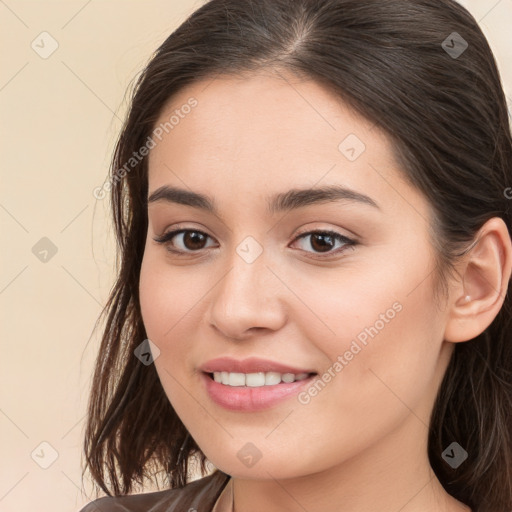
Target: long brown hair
(394,62)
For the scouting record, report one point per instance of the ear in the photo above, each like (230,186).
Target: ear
(485,273)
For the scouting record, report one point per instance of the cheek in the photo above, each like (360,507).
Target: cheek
(165,302)
(167,296)
(382,335)
(172,306)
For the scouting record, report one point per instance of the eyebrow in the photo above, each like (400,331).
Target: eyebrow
(281,202)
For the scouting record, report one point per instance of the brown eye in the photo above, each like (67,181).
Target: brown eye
(194,240)
(325,241)
(321,242)
(190,240)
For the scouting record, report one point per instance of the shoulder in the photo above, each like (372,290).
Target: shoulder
(199,496)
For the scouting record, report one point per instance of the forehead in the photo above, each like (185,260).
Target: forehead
(262,114)
(267,133)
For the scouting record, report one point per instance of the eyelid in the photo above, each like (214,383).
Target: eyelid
(334,254)
(348,242)
(167,236)
(349,236)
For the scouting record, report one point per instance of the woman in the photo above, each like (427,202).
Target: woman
(310,201)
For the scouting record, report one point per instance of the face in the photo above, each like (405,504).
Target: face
(340,287)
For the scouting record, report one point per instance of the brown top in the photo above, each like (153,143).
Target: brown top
(200,495)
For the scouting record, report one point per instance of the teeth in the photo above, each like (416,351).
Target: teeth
(272,378)
(256,380)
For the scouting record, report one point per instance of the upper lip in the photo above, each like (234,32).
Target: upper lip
(249,365)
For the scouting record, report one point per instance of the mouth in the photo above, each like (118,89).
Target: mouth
(257,379)
(252,392)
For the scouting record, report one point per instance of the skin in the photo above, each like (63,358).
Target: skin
(361,443)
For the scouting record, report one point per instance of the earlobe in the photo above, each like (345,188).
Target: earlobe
(478,297)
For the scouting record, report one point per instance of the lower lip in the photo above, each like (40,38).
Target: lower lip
(250,399)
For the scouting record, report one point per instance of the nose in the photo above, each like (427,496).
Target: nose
(247,299)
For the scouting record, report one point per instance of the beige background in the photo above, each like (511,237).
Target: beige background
(60,116)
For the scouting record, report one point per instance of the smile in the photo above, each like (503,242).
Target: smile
(255,380)
(248,394)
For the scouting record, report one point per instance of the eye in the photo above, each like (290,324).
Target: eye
(324,242)
(192,240)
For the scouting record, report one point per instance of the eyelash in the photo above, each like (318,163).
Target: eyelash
(348,242)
